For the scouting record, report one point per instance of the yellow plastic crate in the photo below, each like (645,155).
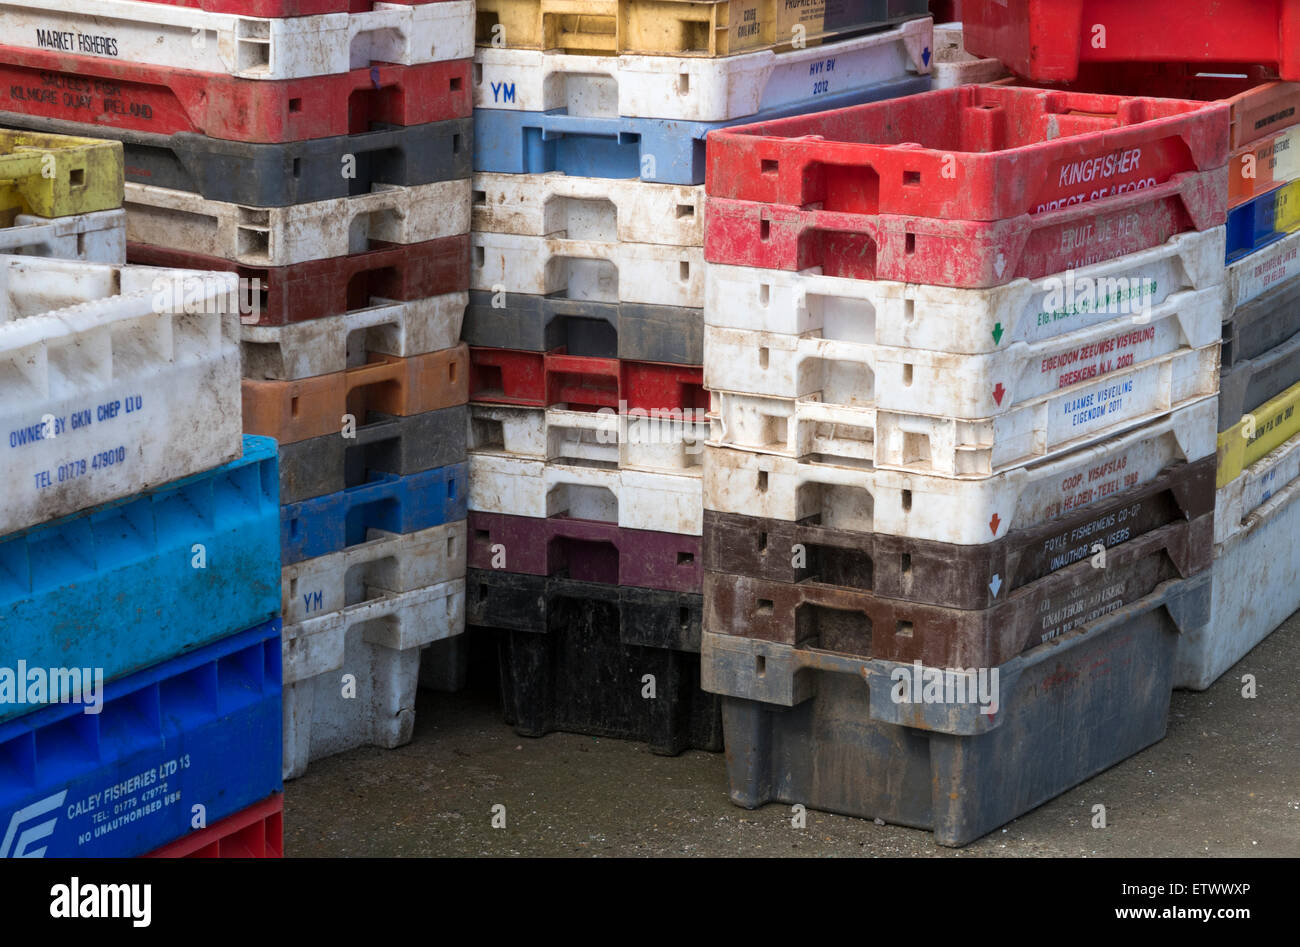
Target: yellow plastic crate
(57,175)
(705,28)
(1258,432)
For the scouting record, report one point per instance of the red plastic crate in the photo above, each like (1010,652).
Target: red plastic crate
(319,288)
(256,832)
(1047,40)
(164,101)
(971,153)
(961,253)
(537,379)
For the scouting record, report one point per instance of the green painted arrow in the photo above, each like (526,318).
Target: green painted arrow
(997,334)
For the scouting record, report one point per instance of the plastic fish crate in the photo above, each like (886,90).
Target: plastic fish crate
(953,65)
(372,646)
(652,149)
(600,209)
(1257,434)
(1019,314)
(383,444)
(328,344)
(1235,502)
(1049,40)
(636,441)
(574,656)
(699,28)
(1256,575)
(255,832)
(92,238)
(983,576)
(1264,220)
(1262,324)
(809,732)
(696,89)
(586,327)
(201,729)
(171,37)
(632,499)
(276,8)
(395,562)
(141,552)
(545,379)
(1250,384)
(57,175)
(110,386)
(601,271)
(942,509)
(1259,167)
(277,175)
(1253,275)
(821,426)
(293,411)
(128,96)
(585,551)
(283,236)
(335,287)
(326,524)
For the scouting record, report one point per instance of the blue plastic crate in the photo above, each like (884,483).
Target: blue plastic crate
(326,524)
(517,142)
(201,729)
(116,587)
(1264,220)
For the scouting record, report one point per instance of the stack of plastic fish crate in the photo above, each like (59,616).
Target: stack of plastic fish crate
(139,537)
(586,332)
(962,351)
(320,151)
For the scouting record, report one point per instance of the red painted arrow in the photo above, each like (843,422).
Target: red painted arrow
(993,524)
(998,393)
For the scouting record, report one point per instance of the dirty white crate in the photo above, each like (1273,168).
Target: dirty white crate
(282,236)
(635,499)
(964,321)
(694,89)
(375,647)
(965,512)
(398,562)
(1253,275)
(949,446)
(597,438)
(1256,581)
(108,386)
(334,343)
(174,37)
(602,271)
(95,238)
(953,66)
(600,209)
(1236,501)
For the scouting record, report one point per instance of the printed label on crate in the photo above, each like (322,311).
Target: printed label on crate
(88,99)
(1261,271)
(98,810)
(1135,344)
(72,460)
(1101,176)
(1099,240)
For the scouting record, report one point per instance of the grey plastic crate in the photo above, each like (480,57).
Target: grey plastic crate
(1262,324)
(820,729)
(1249,383)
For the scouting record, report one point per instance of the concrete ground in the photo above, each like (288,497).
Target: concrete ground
(1225,781)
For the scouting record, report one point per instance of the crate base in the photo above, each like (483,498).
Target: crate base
(256,832)
(99,237)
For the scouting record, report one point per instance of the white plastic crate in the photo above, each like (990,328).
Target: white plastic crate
(963,321)
(373,646)
(1256,581)
(599,209)
(1236,501)
(953,66)
(667,503)
(398,562)
(95,238)
(1039,427)
(1254,275)
(694,89)
(598,438)
(281,236)
(174,37)
(603,271)
(964,512)
(108,386)
(334,343)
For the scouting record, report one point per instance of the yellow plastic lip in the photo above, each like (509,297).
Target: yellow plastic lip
(1274,423)
(59,175)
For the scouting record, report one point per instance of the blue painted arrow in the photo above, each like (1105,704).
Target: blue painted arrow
(996,585)
(925,55)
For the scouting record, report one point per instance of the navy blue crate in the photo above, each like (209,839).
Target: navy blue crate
(519,142)
(326,524)
(1264,220)
(203,729)
(123,585)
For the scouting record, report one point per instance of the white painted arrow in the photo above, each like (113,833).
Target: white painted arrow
(995,585)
